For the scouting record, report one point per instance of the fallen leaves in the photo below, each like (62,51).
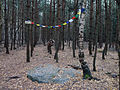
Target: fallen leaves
(15,64)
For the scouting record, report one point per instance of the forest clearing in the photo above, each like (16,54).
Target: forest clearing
(59,44)
(15,65)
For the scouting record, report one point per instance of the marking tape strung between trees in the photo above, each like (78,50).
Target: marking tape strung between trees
(71,20)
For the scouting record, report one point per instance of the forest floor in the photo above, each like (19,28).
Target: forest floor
(14,64)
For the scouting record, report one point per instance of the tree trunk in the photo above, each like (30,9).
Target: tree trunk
(68,38)
(22,21)
(49,33)
(6,30)
(106,32)
(14,39)
(96,36)
(12,29)
(63,14)
(118,30)
(44,22)
(28,28)
(69,30)
(32,28)
(53,20)
(57,32)
(110,25)
(75,27)
(36,18)
(91,27)
(0,22)
(100,26)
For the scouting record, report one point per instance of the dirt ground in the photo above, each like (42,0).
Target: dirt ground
(15,64)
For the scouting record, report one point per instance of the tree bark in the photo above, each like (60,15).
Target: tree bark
(118,30)
(14,39)
(28,28)
(96,36)
(32,28)
(36,18)
(6,30)
(100,26)
(91,27)
(13,21)
(22,3)
(75,27)
(0,22)
(49,33)
(63,14)
(106,31)
(57,33)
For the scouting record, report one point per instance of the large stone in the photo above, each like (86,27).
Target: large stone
(51,74)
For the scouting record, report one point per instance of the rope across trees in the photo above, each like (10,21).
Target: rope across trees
(60,25)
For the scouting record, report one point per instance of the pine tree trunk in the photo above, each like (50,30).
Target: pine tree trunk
(106,32)
(75,27)
(12,29)
(118,30)
(57,33)
(32,28)
(44,22)
(63,14)
(110,25)
(68,36)
(6,30)
(14,39)
(0,21)
(18,26)
(22,21)
(96,36)
(49,32)
(53,20)
(28,28)
(35,30)
(100,26)
(69,30)
(91,28)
